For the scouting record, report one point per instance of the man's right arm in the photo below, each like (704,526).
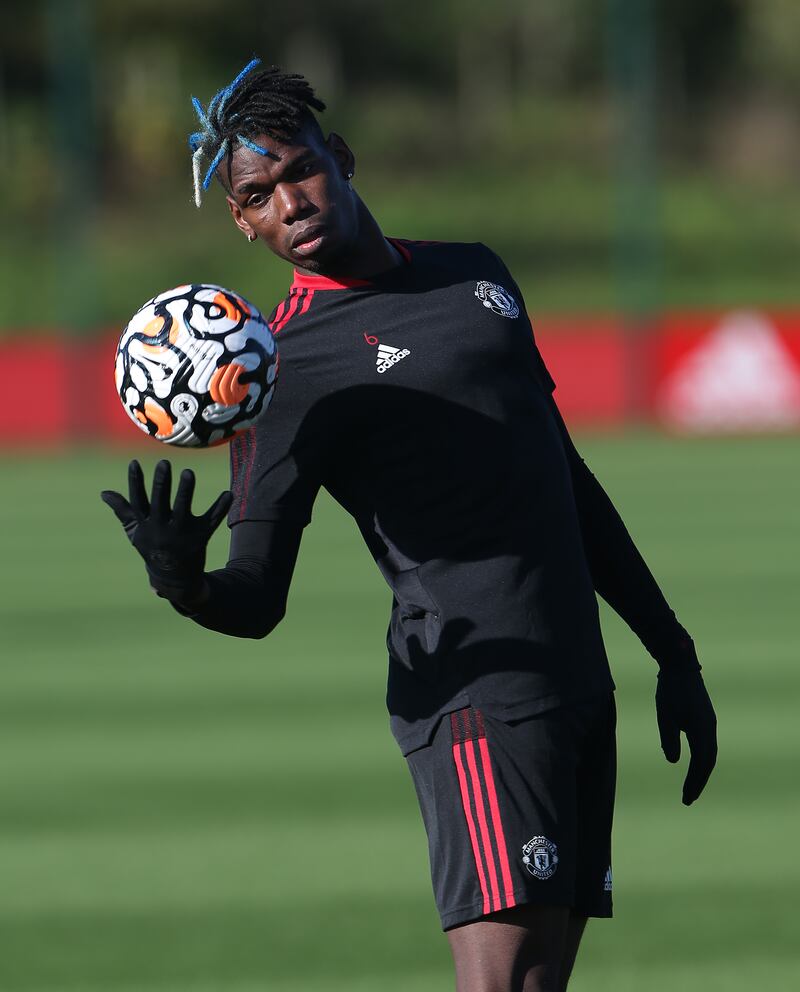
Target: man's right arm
(247,598)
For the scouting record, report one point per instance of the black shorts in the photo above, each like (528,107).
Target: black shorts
(520,812)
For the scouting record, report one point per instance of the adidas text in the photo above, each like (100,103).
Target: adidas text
(388,356)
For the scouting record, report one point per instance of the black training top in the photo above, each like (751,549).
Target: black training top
(419,400)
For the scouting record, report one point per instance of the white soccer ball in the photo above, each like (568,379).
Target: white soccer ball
(196,365)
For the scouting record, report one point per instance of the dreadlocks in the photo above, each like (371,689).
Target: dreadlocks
(268,102)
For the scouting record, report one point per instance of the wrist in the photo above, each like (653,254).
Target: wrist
(177,577)
(192,605)
(197,597)
(681,657)
(189,591)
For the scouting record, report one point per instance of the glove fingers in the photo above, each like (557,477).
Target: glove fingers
(670,734)
(136,491)
(703,758)
(701,764)
(124,512)
(215,513)
(162,487)
(183,497)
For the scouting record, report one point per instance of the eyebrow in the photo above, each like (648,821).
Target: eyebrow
(254,185)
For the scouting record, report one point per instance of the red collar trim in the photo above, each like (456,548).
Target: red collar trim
(303,281)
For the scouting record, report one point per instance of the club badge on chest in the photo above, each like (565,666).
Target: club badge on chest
(497,299)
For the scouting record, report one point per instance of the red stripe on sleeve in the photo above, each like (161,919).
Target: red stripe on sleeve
(469,749)
(236,476)
(306,302)
(250,457)
(473,834)
(279,313)
(278,326)
(500,837)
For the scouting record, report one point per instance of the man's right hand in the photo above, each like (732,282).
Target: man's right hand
(683,704)
(171,539)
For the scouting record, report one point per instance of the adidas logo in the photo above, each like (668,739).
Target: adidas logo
(607,883)
(388,356)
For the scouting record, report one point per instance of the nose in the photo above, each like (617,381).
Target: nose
(292,202)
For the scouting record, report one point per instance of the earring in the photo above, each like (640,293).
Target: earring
(350,175)
(252,237)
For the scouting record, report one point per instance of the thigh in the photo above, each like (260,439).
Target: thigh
(515,950)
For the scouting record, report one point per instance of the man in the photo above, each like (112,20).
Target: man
(412,389)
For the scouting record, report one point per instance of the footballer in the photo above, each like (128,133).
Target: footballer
(411,388)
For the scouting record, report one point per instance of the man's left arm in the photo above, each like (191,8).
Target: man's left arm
(621,576)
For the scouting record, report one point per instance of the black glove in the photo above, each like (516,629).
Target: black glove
(171,540)
(683,704)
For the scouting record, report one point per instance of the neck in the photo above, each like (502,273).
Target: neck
(370,255)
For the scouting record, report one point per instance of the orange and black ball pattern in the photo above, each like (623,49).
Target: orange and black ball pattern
(196,365)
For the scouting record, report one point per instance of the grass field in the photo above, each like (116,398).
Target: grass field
(183,812)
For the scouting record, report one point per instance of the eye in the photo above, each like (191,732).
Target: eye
(305,169)
(257,200)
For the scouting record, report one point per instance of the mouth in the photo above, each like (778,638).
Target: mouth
(308,241)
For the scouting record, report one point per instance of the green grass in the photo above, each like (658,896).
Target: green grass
(183,812)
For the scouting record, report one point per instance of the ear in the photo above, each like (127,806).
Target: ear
(236,212)
(342,153)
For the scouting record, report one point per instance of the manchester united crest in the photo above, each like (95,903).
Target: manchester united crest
(540,857)
(497,299)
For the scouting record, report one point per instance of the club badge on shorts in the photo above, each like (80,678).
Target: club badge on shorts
(497,299)
(540,857)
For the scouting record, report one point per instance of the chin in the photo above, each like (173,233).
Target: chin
(314,264)
(328,258)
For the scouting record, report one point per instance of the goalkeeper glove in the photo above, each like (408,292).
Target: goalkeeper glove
(171,539)
(683,704)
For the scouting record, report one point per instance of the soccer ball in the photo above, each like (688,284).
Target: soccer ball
(196,365)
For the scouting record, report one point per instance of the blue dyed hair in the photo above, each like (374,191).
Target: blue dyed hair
(268,102)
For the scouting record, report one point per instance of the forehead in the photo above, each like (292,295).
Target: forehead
(247,165)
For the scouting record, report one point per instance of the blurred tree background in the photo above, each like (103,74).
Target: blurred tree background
(617,152)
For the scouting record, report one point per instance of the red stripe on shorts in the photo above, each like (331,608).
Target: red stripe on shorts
(486,835)
(480,809)
(499,835)
(473,835)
